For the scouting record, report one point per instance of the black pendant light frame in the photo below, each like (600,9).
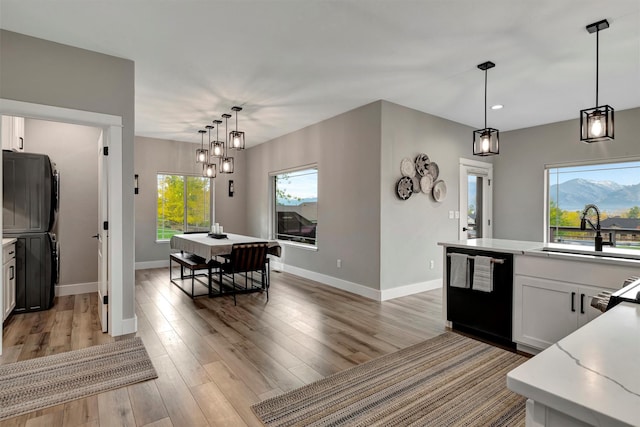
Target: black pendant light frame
(486,142)
(202,155)
(236,138)
(226,162)
(209,169)
(216,147)
(596,124)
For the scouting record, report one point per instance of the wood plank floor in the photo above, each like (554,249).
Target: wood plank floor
(214,360)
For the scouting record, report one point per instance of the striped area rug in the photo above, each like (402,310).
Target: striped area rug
(449,380)
(47,381)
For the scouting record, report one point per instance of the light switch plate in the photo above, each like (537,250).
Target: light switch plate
(450,214)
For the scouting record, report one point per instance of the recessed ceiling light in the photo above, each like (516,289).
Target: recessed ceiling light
(497,107)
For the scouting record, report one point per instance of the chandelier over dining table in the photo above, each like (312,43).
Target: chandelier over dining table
(216,157)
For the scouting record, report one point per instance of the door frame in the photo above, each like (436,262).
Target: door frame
(481,168)
(112,132)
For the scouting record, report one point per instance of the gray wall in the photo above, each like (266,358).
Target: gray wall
(411,229)
(42,72)
(158,155)
(346,149)
(74,150)
(518,195)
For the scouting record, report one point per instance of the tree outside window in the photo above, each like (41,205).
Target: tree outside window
(184,205)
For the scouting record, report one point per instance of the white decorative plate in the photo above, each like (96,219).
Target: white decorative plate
(407,168)
(422,161)
(439,191)
(434,170)
(405,187)
(426,183)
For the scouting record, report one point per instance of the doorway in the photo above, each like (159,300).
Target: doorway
(476,200)
(112,133)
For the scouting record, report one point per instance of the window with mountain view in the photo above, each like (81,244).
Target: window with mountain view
(296,205)
(613,187)
(184,204)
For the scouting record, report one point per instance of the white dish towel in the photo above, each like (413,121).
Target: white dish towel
(483,274)
(459,271)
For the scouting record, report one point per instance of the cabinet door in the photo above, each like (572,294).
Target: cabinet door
(545,311)
(9,288)
(7,132)
(586,313)
(18,134)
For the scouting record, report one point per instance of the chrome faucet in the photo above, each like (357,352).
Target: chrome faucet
(583,226)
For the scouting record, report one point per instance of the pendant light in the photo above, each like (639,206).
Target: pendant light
(216,148)
(202,155)
(596,124)
(236,138)
(209,168)
(486,141)
(226,164)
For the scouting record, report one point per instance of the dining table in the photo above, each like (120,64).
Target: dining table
(207,247)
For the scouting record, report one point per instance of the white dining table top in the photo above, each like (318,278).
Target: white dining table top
(207,247)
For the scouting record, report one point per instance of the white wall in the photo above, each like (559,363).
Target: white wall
(47,73)
(74,150)
(411,229)
(519,169)
(158,155)
(346,149)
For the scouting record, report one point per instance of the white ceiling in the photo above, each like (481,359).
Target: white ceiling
(292,63)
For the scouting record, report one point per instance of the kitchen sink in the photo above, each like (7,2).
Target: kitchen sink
(607,251)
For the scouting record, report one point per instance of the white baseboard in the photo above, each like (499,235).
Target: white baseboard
(76,289)
(130,325)
(414,288)
(345,285)
(143,265)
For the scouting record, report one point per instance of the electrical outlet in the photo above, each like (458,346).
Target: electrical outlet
(432,264)
(339,263)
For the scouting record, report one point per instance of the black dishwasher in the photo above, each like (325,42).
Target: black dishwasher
(487,315)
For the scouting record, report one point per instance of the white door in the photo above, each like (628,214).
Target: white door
(476,199)
(103,235)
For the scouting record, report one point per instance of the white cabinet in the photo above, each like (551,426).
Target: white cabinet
(552,297)
(547,310)
(9,279)
(13,133)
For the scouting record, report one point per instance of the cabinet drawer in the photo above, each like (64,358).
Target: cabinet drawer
(8,252)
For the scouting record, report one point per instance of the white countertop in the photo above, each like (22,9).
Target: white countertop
(593,374)
(497,245)
(7,241)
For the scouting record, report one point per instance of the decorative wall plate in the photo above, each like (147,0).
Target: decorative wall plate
(416,183)
(426,183)
(422,161)
(407,168)
(434,170)
(405,187)
(439,191)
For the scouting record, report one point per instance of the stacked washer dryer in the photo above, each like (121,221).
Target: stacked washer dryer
(31,189)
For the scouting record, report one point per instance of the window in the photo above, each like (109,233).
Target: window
(184,204)
(613,187)
(296,205)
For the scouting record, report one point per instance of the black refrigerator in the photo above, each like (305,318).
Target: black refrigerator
(31,188)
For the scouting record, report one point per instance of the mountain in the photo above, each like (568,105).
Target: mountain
(296,202)
(608,195)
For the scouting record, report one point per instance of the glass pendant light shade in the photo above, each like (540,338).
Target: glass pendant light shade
(596,124)
(226,166)
(486,142)
(216,147)
(236,138)
(210,170)
(202,155)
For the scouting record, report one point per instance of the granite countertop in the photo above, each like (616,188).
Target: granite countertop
(593,374)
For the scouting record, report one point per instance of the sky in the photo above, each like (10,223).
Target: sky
(627,173)
(302,184)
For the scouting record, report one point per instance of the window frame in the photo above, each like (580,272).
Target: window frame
(184,200)
(273,216)
(547,196)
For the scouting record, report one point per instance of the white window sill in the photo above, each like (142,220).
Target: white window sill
(298,245)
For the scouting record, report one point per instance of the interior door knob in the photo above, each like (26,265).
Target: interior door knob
(464,229)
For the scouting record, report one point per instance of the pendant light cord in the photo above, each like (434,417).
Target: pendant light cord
(485,99)
(597,63)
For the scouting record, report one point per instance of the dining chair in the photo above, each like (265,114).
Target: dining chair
(246,259)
